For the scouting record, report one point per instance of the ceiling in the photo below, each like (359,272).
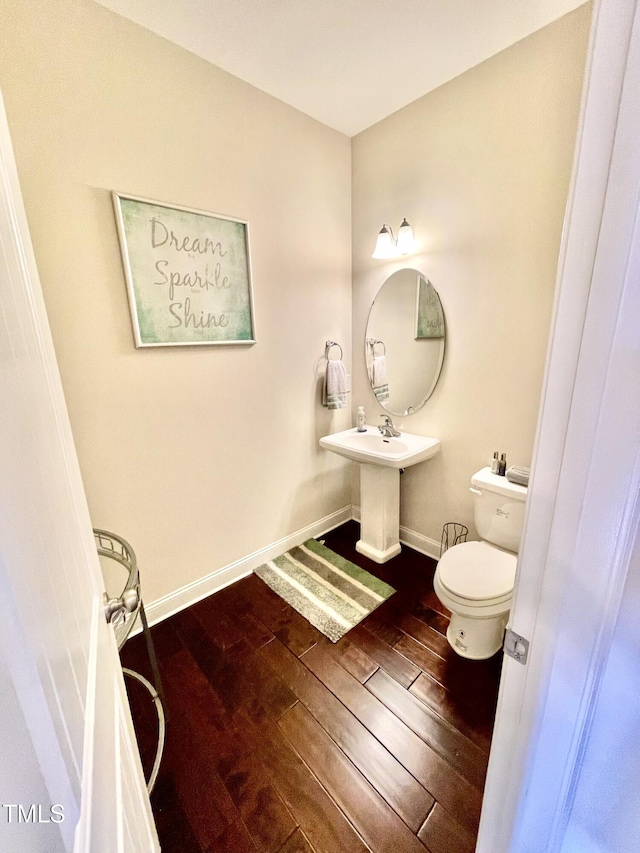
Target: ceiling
(347,63)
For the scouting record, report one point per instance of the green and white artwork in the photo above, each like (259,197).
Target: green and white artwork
(188,274)
(429,316)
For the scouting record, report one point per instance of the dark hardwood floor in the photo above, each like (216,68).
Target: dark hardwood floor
(279,741)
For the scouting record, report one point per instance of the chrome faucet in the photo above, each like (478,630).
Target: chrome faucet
(387,428)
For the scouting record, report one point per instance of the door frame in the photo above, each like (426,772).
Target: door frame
(582,511)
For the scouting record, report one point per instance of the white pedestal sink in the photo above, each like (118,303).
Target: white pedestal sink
(380,459)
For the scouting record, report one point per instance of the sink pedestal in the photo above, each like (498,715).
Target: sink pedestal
(379,512)
(381,459)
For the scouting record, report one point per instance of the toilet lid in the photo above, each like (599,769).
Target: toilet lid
(477,570)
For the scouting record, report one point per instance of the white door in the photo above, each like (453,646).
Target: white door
(70,775)
(583,510)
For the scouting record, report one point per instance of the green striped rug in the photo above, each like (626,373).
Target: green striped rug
(329,591)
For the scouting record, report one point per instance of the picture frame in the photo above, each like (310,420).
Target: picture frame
(188,274)
(429,314)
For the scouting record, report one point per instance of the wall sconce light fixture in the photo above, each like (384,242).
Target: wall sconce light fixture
(388,247)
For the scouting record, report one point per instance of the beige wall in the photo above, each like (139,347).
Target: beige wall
(199,456)
(481,169)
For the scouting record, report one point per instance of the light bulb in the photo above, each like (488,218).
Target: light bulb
(405,238)
(385,244)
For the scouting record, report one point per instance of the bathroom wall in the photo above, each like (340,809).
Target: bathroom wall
(199,456)
(202,456)
(481,169)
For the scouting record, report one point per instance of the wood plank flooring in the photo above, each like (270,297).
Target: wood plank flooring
(279,741)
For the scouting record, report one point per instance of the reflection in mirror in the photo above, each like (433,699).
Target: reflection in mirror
(405,340)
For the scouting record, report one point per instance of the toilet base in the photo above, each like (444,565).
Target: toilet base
(474,638)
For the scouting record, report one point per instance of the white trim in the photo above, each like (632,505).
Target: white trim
(423,544)
(118,730)
(82,840)
(193,592)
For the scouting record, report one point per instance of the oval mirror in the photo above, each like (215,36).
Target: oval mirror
(405,340)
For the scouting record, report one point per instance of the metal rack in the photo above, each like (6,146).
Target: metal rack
(453,533)
(121,612)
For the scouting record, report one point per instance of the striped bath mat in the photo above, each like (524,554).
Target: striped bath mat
(329,591)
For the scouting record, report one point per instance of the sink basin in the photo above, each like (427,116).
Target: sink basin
(375,449)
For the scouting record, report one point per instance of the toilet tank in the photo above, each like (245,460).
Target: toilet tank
(498,509)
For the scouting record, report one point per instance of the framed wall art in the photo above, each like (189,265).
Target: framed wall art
(429,316)
(188,274)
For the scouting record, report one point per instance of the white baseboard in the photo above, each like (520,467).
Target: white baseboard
(420,543)
(423,544)
(187,595)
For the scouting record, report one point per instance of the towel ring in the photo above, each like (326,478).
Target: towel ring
(373,343)
(328,346)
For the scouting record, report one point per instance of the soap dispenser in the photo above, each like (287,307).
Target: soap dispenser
(361,420)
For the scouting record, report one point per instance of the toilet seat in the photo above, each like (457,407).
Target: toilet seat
(477,573)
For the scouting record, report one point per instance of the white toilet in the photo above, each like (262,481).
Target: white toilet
(474,580)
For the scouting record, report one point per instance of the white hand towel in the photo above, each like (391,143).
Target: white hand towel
(335,385)
(380,378)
